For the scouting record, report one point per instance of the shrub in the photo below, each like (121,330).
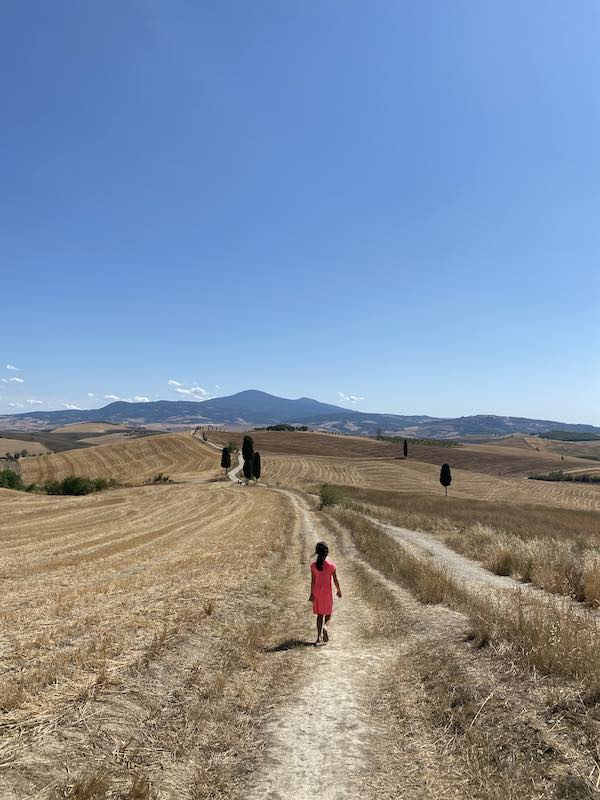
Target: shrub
(10,480)
(77,486)
(328,495)
(159,478)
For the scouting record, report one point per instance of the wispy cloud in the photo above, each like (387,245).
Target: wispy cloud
(173,383)
(13,380)
(12,366)
(350,398)
(71,407)
(35,402)
(141,399)
(197,392)
(91,395)
(16,405)
(111,397)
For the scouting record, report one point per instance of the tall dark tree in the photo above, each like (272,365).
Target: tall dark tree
(247,470)
(248,448)
(405,449)
(256,466)
(225,459)
(445,477)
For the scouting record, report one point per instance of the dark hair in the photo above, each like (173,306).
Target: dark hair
(321,550)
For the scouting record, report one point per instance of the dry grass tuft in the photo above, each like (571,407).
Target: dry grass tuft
(429,583)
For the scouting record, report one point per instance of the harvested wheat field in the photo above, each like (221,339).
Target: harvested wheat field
(130,650)
(16,445)
(179,455)
(306,472)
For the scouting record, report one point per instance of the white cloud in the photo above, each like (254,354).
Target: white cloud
(13,380)
(71,407)
(141,399)
(196,392)
(173,383)
(12,366)
(16,405)
(35,402)
(111,397)
(350,398)
(217,386)
(91,395)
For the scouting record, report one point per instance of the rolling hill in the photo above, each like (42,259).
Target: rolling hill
(254,408)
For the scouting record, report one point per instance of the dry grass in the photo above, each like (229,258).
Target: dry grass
(179,455)
(466,721)
(555,549)
(134,624)
(546,634)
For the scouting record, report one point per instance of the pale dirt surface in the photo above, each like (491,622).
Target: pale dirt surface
(442,556)
(324,739)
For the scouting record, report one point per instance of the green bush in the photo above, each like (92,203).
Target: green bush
(10,480)
(74,485)
(328,495)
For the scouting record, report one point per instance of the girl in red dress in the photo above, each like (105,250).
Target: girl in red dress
(322,572)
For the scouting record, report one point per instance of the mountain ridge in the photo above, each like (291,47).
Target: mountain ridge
(253,408)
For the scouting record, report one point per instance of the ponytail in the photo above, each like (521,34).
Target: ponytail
(321,550)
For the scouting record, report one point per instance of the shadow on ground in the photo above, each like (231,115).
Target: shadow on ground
(288,644)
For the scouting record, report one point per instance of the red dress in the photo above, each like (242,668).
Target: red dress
(322,590)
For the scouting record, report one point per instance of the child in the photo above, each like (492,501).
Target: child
(321,594)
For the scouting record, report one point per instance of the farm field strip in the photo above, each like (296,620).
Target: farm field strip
(305,472)
(179,455)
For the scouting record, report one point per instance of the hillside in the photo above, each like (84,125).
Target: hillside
(253,408)
(179,455)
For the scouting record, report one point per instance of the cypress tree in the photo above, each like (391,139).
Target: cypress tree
(256,466)
(225,459)
(445,477)
(405,449)
(248,448)
(247,470)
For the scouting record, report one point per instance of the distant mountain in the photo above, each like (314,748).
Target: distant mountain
(253,408)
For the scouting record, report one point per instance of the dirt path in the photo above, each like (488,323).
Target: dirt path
(323,736)
(441,555)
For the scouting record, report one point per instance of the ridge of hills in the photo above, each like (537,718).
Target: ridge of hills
(252,408)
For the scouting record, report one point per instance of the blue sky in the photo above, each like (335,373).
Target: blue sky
(394,201)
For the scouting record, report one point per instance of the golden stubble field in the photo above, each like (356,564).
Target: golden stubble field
(306,472)
(179,455)
(129,646)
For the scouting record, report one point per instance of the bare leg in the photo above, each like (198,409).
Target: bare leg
(319,627)
(325,631)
